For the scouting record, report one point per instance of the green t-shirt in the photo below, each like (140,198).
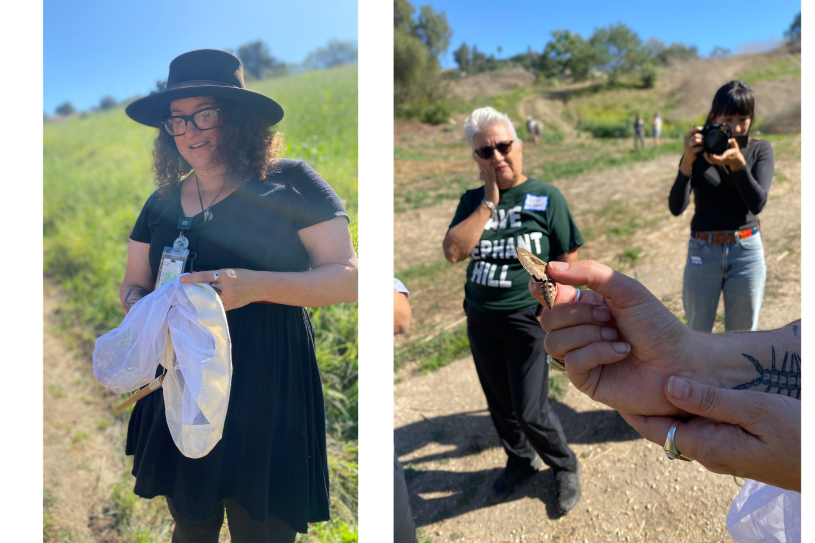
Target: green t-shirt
(532,215)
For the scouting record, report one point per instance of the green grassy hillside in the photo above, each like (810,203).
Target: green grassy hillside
(97,175)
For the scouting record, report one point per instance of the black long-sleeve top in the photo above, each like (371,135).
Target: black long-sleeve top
(718,205)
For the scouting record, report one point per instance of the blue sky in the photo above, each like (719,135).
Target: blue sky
(515,25)
(96,48)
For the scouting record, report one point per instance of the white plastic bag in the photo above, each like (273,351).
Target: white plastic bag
(764,513)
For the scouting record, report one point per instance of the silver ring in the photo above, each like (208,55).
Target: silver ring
(555,364)
(577,295)
(670,448)
(214,276)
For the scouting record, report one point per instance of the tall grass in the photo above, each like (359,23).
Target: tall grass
(97,176)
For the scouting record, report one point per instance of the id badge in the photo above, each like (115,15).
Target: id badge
(173,260)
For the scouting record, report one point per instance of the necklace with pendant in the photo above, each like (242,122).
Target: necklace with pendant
(207,212)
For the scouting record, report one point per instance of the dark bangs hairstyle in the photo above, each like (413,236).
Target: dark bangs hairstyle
(247,147)
(734,98)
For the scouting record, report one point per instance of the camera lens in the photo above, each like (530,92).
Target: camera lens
(716,141)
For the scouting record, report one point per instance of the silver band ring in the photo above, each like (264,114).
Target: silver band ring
(670,448)
(214,276)
(577,295)
(555,364)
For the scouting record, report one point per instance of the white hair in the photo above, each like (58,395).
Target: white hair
(482,118)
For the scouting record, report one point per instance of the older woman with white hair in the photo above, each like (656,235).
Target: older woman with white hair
(512,210)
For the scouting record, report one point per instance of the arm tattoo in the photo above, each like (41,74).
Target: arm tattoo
(134,294)
(772,378)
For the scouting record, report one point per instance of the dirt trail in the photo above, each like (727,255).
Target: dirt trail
(631,492)
(79,464)
(548,111)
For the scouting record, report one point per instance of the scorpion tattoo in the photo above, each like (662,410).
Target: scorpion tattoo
(772,378)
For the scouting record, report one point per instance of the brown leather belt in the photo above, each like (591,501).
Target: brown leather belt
(722,238)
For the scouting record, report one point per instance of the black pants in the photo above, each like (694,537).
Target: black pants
(511,363)
(242,527)
(404,530)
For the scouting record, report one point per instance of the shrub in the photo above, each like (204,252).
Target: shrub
(608,129)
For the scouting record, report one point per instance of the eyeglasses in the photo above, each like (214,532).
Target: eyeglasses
(487,151)
(205,119)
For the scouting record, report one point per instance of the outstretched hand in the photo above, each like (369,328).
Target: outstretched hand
(758,436)
(626,372)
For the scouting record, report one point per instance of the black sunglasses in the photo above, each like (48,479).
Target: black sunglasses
(203,119)
(487,151)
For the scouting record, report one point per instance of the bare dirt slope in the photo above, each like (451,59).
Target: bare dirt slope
(490,83)
(631,491)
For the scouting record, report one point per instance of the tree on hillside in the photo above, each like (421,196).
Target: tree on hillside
(257,60)
(403,15)
(417,43)
(462,57)
(161,86)
(660,54)
(107,103)
(719,52)
(619,50)
(567,54)
(66,109)
(434,31)
(335,53)
(478,60)
(793,33)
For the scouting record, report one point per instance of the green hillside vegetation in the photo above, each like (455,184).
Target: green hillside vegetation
(97,175)
(787,66)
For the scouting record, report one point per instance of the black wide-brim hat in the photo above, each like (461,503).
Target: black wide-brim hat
(207,72)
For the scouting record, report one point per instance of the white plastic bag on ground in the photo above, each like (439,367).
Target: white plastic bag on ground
(197,355)
(764,513)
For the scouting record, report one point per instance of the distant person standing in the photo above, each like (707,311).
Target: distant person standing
(534,128)
(657,129)
(639,128)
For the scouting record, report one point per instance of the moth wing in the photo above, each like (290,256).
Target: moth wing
(532,264)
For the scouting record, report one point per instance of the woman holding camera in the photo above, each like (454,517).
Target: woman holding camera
(512,210)
(730,189)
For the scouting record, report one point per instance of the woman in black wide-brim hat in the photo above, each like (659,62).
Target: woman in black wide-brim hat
(273,237)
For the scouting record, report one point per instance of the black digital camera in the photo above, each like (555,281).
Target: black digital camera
(714,138)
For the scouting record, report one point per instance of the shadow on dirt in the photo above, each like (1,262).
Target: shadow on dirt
(469,433)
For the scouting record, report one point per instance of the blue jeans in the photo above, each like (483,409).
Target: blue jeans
(737,269)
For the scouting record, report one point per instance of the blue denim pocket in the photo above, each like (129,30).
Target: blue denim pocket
(752,243)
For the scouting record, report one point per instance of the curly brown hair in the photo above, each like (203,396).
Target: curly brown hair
(246,145)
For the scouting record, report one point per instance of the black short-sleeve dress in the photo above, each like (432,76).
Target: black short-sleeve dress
(272,456)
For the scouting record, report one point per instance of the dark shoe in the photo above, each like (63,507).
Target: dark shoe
(568,489)
(509,480)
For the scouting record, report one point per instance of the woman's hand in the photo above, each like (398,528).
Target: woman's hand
(732,157)
(489,179)
(694,143)
(626,370)
(759,436)
(237,287)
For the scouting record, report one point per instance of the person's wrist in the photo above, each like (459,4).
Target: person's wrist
(694,358)
(738,163)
